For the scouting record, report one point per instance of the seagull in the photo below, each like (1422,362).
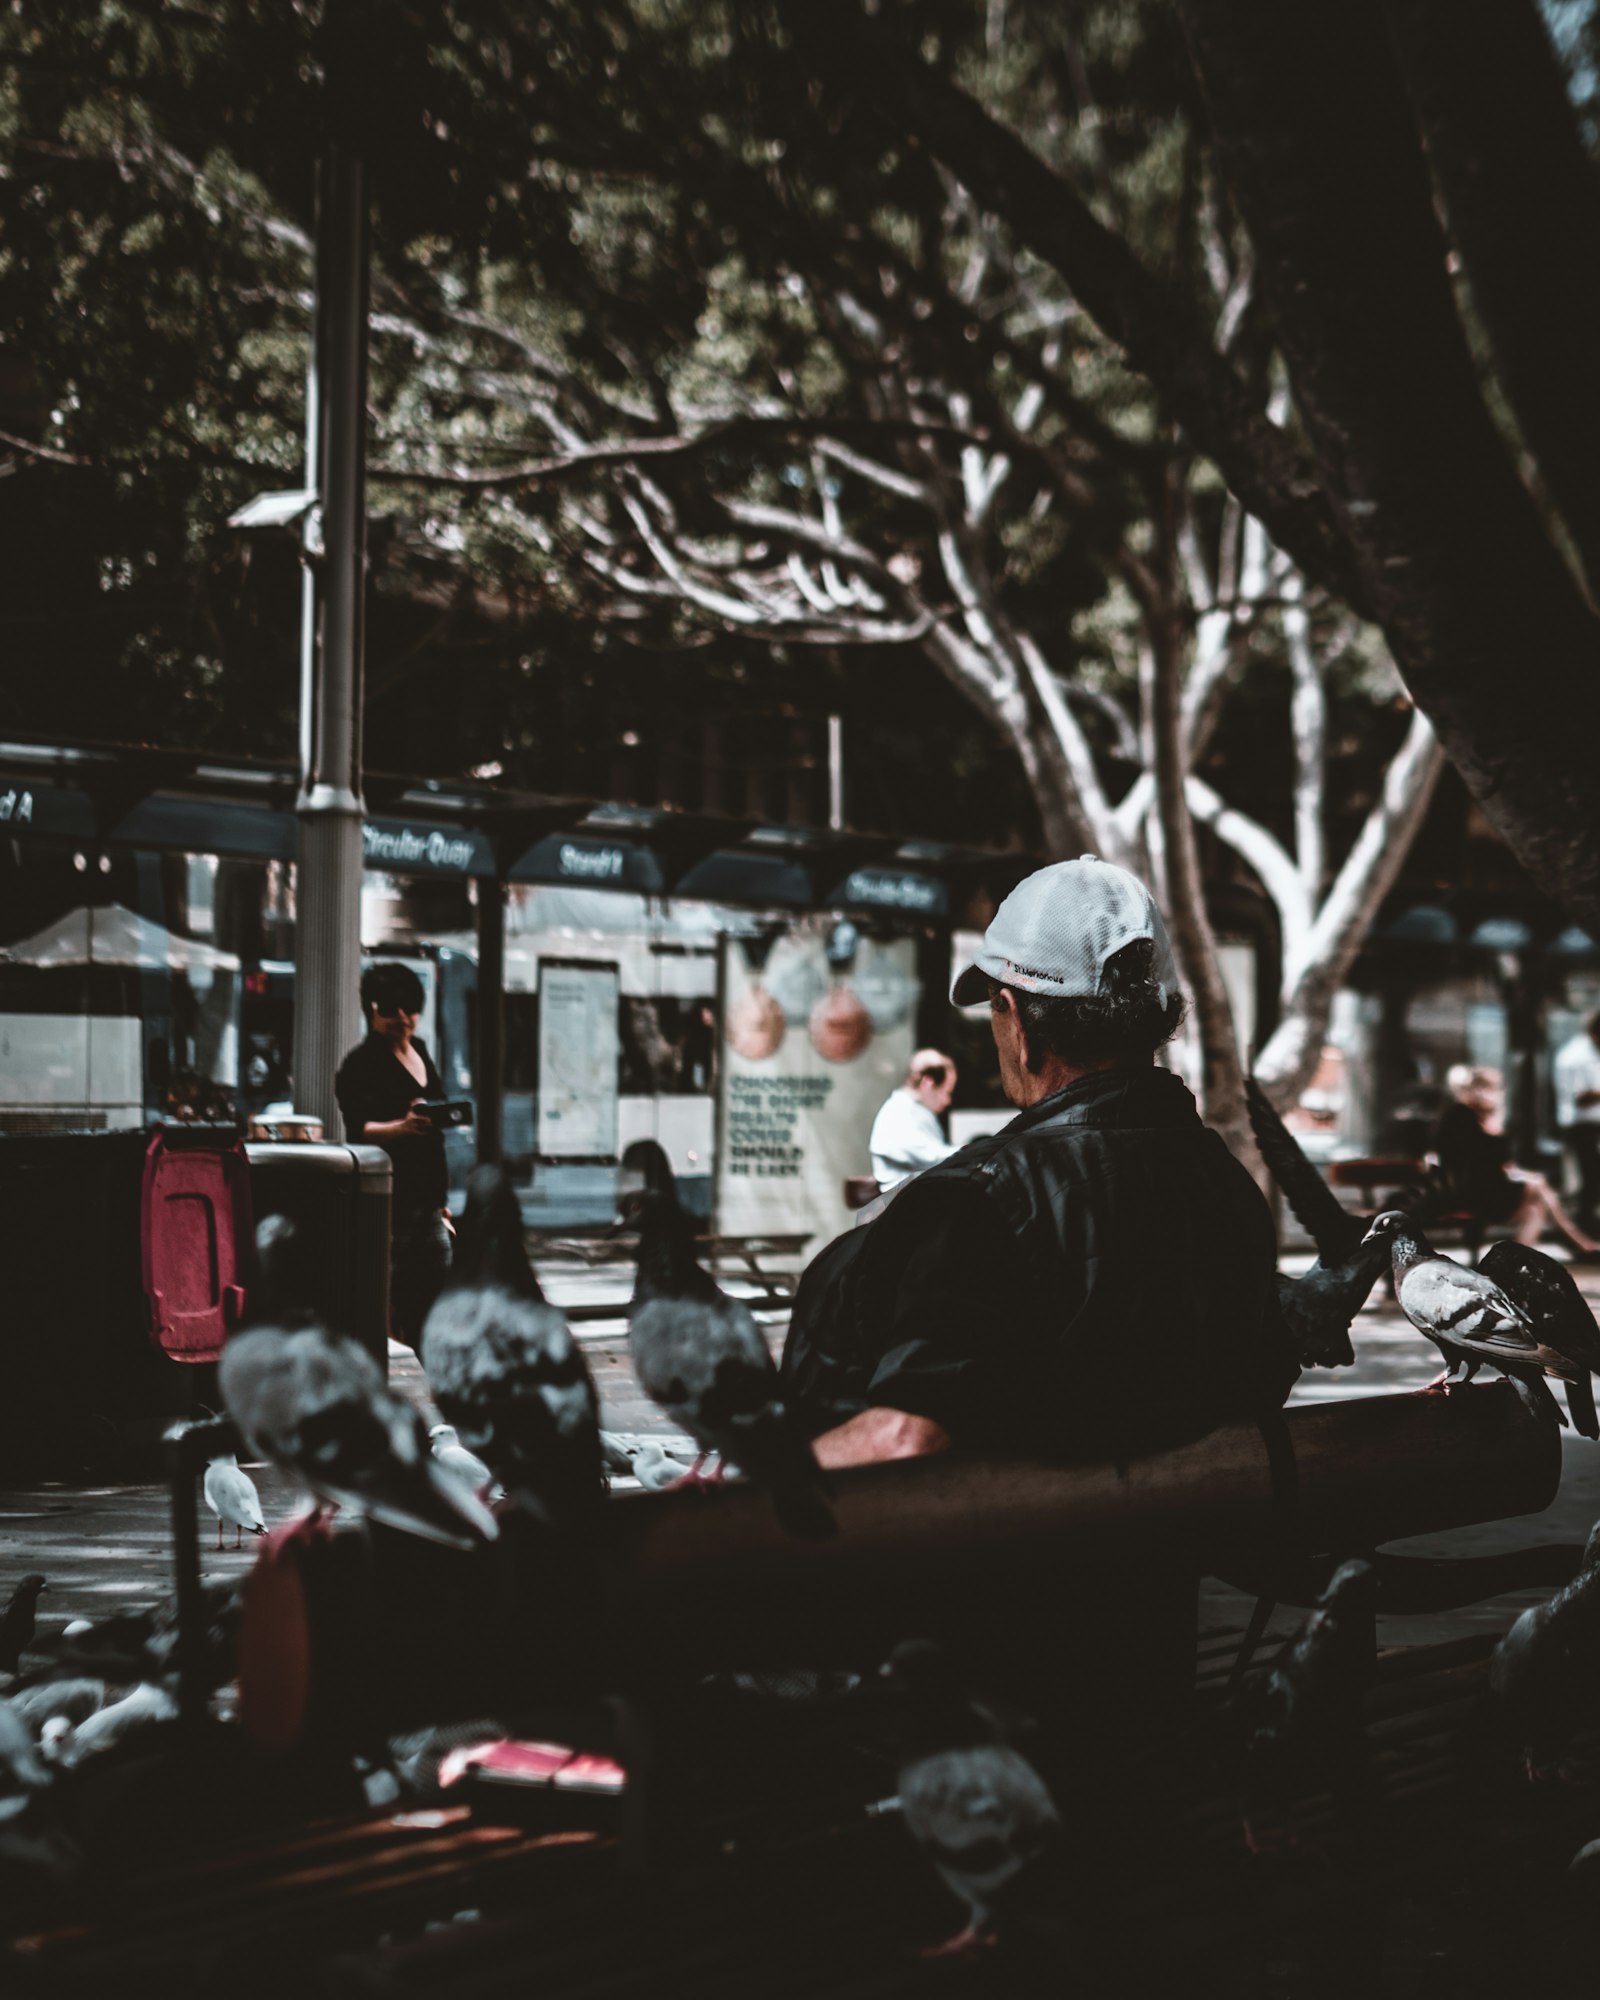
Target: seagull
(972,1802)
(701,1357)
(316,1404)
(655,1468)
(17,1620)
(1545,1672)
(232,1497)
(1561,1316)
(1306,1731)
(1467,1317)
(449,1450)
(504,1368)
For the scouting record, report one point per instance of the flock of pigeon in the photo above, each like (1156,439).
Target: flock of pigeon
(521,1437)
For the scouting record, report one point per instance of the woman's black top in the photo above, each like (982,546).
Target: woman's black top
(373,1086)
(1475,1162)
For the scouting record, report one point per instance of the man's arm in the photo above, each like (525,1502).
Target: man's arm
(875,1436)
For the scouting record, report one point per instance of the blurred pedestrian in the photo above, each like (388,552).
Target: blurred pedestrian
(1475,1154)
(1577,1083)
(383,1086)
(906,1134)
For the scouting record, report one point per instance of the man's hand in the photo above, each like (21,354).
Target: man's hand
(877,1436)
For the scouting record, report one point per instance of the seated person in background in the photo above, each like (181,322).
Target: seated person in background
(906,1134)
(1095,1280)
(1475,1155)
(1576,1075)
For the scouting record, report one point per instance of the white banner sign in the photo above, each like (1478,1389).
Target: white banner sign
(810,1051)
(577,1061)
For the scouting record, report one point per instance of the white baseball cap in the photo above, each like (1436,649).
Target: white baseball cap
(1057,928)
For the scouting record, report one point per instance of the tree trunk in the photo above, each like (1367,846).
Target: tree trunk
(1487,625)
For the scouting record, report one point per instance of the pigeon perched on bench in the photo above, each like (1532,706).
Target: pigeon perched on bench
(315,1403)
(973,1803)
(701,1358)
(504,1368)
(1467,1317)
(1545,1672)
(1305,1734)
(1318,1306)
(1561,1316)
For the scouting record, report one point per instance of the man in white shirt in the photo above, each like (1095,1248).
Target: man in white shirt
(906,1134)
(1576,1074)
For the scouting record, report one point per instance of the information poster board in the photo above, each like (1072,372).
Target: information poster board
(817,1030)
(577,1060)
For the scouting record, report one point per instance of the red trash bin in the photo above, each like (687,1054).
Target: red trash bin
(196,1237)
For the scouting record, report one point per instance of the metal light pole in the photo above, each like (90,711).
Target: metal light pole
(328,902)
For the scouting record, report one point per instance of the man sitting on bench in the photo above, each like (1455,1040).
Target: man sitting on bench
(1097,1279)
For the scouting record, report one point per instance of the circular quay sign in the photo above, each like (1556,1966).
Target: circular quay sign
(402,848)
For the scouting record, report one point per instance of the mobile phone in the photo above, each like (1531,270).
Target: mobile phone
(446,1112)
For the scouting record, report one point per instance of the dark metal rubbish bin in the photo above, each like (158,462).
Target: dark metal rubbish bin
(338,1199)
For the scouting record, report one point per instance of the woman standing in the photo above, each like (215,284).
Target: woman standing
(381,1086)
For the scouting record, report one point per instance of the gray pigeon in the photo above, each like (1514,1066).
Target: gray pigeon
(316,1405)
(504,1368)
(1467,1317)
(17,1620)
(1545,1673)
(1305,1733)
(1561,1316)
(972,1802)
(75,1700)
(701,1357)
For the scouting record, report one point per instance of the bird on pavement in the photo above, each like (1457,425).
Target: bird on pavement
(22,1770)
(1467,1317)
(143,1707)
(17,1620)
(700,1356)
(504,1368)
(232,1497)
(972,1802)
(1561,1316)
(316,1404)
(1305,1732)
(1545,1672)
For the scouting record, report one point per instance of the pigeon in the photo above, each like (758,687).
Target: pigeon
(316,1404)
(147,1705)
(70,1700)
(701,1357)
(1562,1319)
(232,1497)
(504,1368)
(972,1802)
(1545,1672)
(1467,1317)
(22,1770)
(1306,1730)
(449,1450)
(16,1621)
(141,1644)
(1318,1306)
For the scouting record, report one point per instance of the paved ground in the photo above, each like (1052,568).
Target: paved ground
(105,1545)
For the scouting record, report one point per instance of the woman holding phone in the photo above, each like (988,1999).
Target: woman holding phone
(382,1086)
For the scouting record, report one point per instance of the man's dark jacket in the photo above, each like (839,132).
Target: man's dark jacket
(1097,1279)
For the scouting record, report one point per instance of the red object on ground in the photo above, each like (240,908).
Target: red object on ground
(195,1233)
(522,1763)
